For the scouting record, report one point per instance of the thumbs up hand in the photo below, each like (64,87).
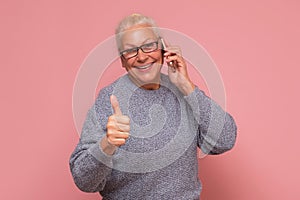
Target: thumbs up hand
(118,125)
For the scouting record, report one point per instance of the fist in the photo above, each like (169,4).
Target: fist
(118,125)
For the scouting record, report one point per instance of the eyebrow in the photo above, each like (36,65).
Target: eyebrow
(144,42)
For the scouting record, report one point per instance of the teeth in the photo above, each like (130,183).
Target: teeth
(144,67)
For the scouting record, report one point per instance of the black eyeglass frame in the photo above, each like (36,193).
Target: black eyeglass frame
(136,49)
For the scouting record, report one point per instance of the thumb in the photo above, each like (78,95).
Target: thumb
(115,105)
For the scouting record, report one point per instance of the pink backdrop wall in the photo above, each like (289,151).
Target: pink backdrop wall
(255,46)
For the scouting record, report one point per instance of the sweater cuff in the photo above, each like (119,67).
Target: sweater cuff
(192,98)
(100,155)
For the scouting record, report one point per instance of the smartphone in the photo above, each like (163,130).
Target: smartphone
(170,64)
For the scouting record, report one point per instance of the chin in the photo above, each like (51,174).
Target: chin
(145,81)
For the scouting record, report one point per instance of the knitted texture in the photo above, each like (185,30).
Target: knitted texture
(159,160)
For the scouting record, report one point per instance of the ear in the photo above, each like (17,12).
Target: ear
(162,56)
(123,62)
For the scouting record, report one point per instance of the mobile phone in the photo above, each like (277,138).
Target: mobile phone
(170,64)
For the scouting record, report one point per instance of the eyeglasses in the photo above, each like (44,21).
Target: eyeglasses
(146,48)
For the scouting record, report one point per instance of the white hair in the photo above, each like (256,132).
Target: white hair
(133,20)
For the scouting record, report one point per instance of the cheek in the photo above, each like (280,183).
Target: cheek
(158,56)
(129,64)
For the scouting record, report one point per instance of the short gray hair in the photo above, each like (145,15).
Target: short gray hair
(133,20)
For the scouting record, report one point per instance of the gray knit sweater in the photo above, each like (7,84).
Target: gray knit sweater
(159,160)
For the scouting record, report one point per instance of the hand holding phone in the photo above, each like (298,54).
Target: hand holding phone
(171,64)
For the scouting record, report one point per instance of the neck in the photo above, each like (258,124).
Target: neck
(151,86)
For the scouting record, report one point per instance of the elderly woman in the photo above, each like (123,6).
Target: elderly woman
(140,138)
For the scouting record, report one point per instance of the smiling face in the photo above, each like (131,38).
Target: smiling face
(144,68)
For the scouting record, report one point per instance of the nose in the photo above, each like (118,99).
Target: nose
(141,55)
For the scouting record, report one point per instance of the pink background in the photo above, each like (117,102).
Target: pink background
(255,46)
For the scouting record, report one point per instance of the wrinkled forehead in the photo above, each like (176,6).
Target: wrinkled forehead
(138,35)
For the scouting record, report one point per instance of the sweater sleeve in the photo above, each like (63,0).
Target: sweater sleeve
(90,166)
(217,129)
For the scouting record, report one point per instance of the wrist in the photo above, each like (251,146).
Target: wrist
(187,88)
(107,147)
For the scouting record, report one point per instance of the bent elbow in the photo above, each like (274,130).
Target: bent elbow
(84,182)
(230,135)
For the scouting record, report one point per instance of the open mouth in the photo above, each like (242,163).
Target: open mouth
(144,66)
